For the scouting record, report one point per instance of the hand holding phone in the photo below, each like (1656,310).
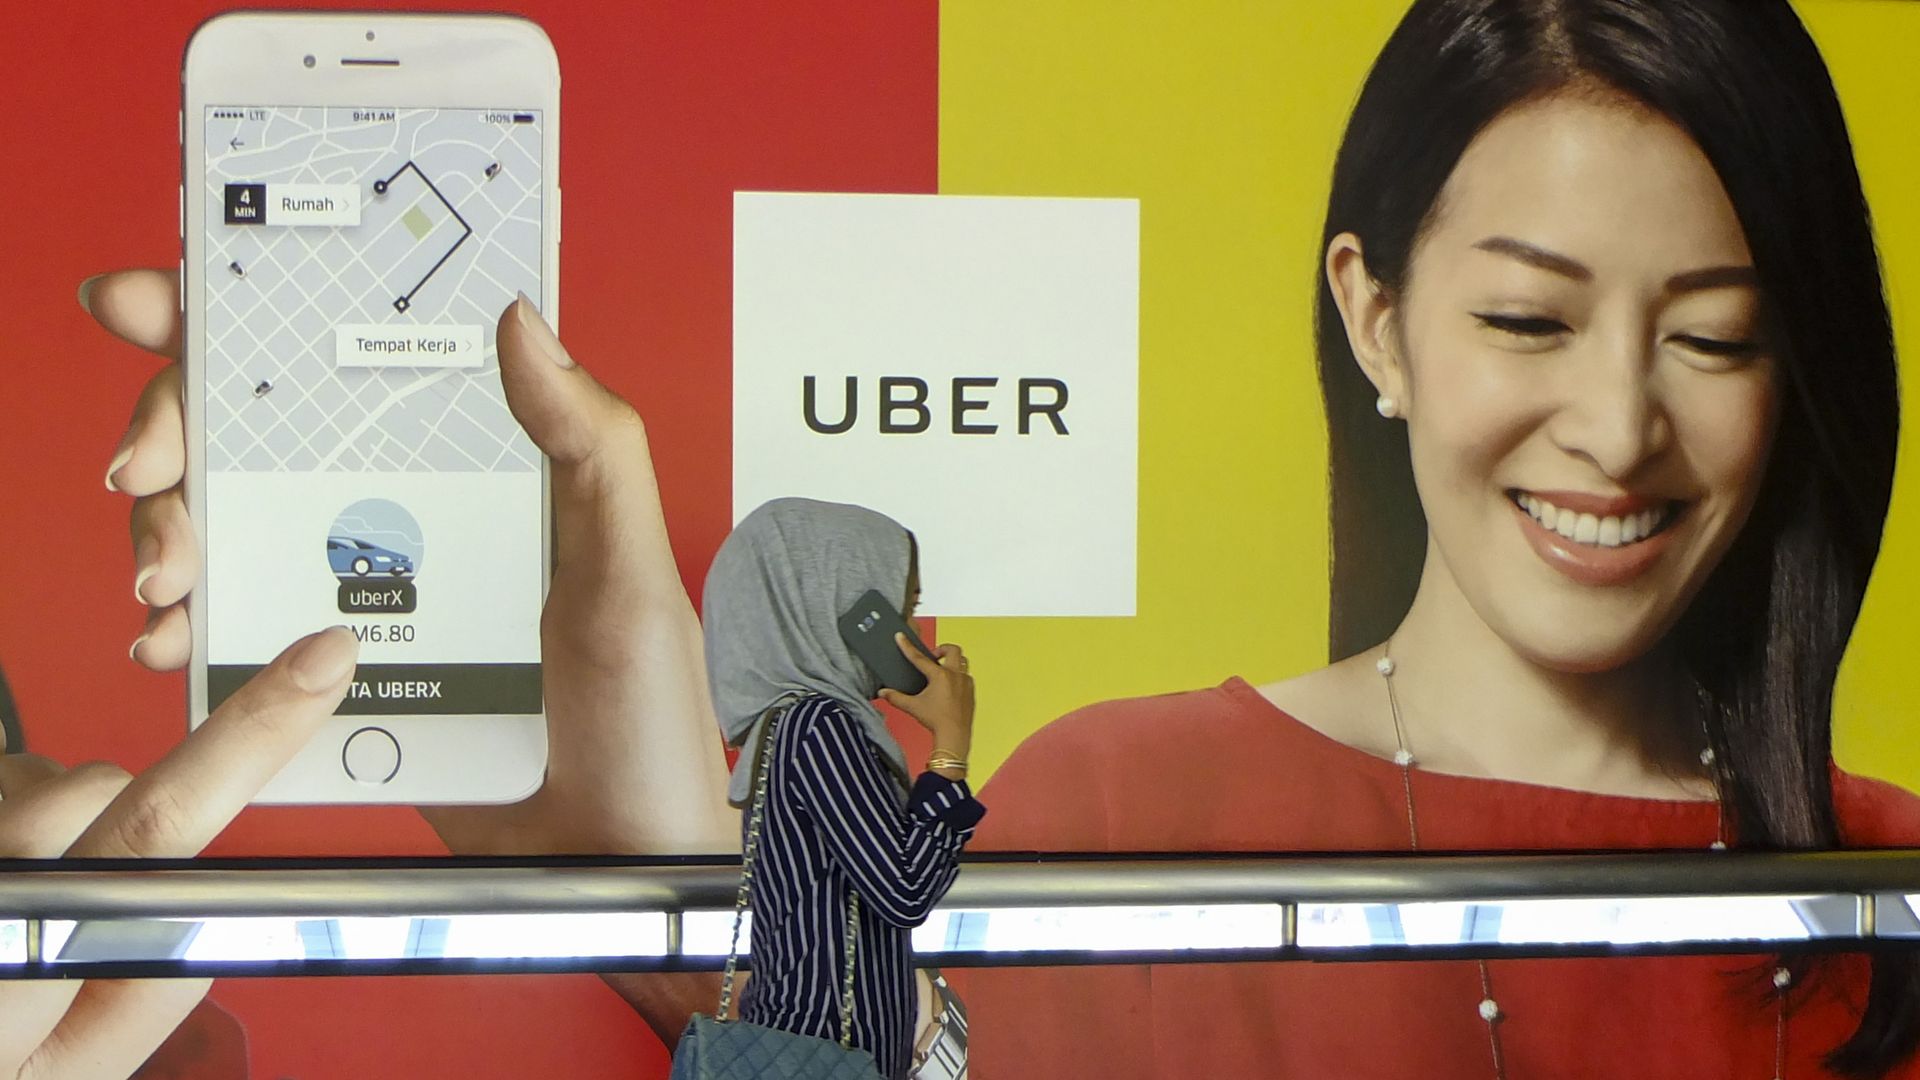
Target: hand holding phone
(869,628)
(620,638)
(945,705)
(363,192)
(930,685)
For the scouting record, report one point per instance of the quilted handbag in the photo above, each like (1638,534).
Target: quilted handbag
(737,1050)
(716,1048)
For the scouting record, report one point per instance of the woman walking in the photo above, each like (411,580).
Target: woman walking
(842,827)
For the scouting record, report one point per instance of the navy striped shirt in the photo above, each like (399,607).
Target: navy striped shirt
(838,819)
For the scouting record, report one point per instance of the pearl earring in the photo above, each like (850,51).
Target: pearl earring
(1387,407)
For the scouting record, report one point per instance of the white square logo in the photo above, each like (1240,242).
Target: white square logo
(966,365)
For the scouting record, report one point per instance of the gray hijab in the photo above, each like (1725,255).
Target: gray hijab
(771,615)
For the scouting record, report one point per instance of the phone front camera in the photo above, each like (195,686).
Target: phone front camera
(308,60)
(369,35)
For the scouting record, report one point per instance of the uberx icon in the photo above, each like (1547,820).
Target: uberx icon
(968,365)
(903,405)
(374,550)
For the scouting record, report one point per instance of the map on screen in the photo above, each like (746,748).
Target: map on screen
(362,467)
(357,261)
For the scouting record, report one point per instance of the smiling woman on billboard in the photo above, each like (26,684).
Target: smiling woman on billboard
(1612,403)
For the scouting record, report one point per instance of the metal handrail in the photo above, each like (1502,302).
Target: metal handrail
(1840,899)
(41,890)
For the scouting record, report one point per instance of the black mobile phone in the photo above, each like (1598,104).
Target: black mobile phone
(868,628)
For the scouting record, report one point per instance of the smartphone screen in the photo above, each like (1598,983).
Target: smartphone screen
(361,465)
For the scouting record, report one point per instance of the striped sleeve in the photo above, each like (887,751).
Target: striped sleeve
(950,802)
(901,860)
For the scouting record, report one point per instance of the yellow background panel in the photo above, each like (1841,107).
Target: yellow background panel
(1222,118)
(1870,46)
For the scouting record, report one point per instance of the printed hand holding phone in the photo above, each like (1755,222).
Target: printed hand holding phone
(619,638)
(358,186)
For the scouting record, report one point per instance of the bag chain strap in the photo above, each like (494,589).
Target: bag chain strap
(741,900)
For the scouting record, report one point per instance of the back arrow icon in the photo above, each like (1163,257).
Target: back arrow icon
(235,143)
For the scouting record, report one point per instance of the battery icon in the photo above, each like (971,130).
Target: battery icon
(523,118)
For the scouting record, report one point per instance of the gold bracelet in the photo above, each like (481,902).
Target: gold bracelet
(940,759)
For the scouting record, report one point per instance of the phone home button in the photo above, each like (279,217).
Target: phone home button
(371,756)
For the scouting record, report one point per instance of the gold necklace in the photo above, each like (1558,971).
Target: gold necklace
(1489,1007)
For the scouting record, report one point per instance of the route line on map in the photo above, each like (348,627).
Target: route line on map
(405,300)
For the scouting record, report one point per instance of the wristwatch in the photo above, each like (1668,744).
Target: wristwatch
(940,1053)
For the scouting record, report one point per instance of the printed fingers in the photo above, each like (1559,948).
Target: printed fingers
(45,809)
(598,442)
(167,642)
(556,401)
(113,1027)
(175,808)
(29,1012)
(141,307)
(166,554)
(152,455)
(42,809)
(565,410)
(606,502)
(18,772)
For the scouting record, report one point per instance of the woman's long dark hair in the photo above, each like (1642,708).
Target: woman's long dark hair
(1765,637)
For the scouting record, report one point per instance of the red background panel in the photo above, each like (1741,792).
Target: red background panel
(496,1027)
(668,108)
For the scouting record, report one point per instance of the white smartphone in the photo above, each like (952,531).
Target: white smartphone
(364,194)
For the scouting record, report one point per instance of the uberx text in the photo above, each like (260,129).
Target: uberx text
(399,597)
(904,405)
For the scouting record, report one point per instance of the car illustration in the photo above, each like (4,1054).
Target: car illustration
(357,558)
